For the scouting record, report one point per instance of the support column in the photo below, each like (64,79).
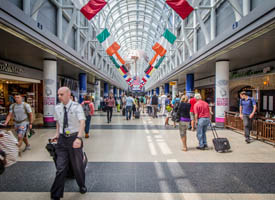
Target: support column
(120,92)
(189,84)
(115,91)
(222,91)
(97,94)
(246,7)
(213,21)
(175,89)
(49,91)
(166,89)
(27,7)
(59,21)
(82,86)
(157,91)
(106,90)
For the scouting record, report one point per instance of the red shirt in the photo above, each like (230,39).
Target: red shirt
(193,101)
(201,108)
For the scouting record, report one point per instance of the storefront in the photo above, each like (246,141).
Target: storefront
(206,87)
(259,82)
(14,79)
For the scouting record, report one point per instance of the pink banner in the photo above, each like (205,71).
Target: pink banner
(218,119)
(49,119)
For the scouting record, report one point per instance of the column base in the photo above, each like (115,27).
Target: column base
(49,122)
(220,124)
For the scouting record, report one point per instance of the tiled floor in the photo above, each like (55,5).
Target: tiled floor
(142,159)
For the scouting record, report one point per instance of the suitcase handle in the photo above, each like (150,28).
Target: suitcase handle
(215,134)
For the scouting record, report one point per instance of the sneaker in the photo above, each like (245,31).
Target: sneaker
(87,135)
(200,148)
(27,148)
(247,140)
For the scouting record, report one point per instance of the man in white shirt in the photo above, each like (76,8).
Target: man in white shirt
(70,123)
(162,101)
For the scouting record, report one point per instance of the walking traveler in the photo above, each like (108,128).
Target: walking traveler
(129,106)
(88,108)
(22,117)
(202,119)
(70,123)
(154,104)
(110,101)
(247,112)
(184,115)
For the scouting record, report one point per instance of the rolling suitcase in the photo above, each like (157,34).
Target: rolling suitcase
(220,144)
(137,114)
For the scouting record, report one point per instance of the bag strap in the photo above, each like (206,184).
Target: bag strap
(215,134)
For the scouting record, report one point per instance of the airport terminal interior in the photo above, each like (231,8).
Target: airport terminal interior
(167,99)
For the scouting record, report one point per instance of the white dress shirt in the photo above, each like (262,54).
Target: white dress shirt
(75,114)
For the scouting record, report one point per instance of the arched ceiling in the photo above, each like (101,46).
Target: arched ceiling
(134,24)
(130,21)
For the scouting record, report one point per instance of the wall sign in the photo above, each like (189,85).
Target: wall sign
(10,68)
(19,70)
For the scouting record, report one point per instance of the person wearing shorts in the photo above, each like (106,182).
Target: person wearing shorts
(184,114)
(22,117)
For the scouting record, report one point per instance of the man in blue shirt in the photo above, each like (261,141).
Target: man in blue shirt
(129,106)
(247,112)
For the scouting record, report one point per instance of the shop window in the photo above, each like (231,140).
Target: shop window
(267,101)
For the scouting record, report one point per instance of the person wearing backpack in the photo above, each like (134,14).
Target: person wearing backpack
(247,111)
(89,109)
(22,117)
(175,103)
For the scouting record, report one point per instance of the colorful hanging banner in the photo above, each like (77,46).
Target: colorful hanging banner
(92,8)
(182,7)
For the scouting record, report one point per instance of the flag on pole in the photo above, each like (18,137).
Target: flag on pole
(123,69)
(115,62)
(92,8)
(148,69)
(165,43)
(144,80)
(159,62)
(181,7)
(150,73)
(112,49)
(106,40)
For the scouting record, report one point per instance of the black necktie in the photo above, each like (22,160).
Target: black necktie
(65,119)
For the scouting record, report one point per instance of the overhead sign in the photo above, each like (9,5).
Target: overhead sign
(173,83)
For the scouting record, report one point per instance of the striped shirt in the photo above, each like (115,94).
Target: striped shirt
(8,145)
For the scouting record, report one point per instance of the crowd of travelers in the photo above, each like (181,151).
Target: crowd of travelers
(73,123)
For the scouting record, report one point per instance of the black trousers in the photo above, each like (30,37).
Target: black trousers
(66,154)
(109,113)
